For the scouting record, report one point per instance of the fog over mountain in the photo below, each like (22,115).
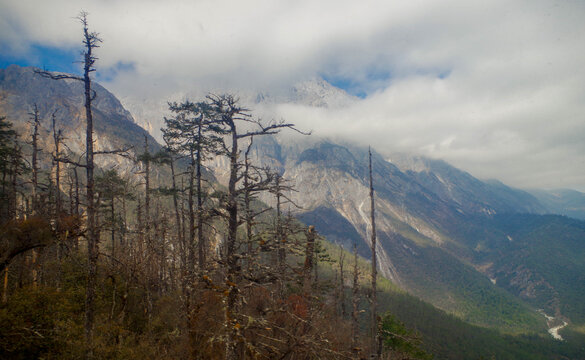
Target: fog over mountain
(493,88)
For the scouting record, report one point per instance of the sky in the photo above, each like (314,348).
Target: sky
(496,88)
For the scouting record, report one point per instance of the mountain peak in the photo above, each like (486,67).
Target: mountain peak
(315,92)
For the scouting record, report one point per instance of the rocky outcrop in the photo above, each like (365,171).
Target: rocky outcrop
(21,88)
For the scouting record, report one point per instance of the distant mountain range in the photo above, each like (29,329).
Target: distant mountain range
(480,250)
(566,202)
(468,247)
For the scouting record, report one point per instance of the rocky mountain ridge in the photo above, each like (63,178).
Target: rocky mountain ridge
(466,246)
(114,127)
(314,92)
(416,215)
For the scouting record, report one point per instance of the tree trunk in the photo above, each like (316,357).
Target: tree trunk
(342,282)
(231,257)
(57,143)
(92,239)
(355,303)
(373,299)
(280,241)
(247,206)
(113,230)
(200,239)
(308,268)
(34,160)
(191,249)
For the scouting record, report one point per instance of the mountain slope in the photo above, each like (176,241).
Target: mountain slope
(114,127)
(459,187)
(429,213)
(414,249)
(444,236)
(441,233)
(563,201)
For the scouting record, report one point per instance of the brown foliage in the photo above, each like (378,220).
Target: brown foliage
(19,236)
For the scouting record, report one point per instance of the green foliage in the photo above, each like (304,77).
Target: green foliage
(193,129)
(43,323)
(397,338)
(147,305)
(450,338)
(19,236)
(537,258)
(11,164)
(456,287)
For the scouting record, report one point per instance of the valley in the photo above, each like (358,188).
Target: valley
(456,252)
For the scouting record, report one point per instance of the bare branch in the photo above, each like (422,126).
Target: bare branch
(120,152)
(68,161)
(56,76)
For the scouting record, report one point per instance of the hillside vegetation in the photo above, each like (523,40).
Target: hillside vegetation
(113,246)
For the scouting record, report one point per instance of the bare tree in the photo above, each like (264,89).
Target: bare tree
(35,124)
(254,181)
(229,114)
(309,254)
(91,41)
(57,138)
(169,157)
(355,302)
(342,282)
(281,230)
(376,348)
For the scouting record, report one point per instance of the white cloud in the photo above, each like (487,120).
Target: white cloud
(494,87)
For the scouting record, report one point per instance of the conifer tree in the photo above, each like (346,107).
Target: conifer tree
(195,133)
(10,159)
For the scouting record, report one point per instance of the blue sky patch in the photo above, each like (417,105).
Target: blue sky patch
(46,58)
(373,80)
(109,74)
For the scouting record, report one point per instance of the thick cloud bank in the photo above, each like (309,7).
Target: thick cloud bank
(497,88)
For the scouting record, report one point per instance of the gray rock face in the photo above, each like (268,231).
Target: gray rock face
(441,231)
(469,193)
(315,92)
(419,203)
(114,127)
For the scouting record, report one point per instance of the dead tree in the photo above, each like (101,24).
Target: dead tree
(91,41)
(308,268)
(35,123)
(248,196)
(374,299)
(281,230)
(169,157)
(355,303)
(342,282)
(229,114)
(57,138)
(254,181)
(145,159)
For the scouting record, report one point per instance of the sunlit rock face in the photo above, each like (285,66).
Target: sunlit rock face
(443,235)
(114,127)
